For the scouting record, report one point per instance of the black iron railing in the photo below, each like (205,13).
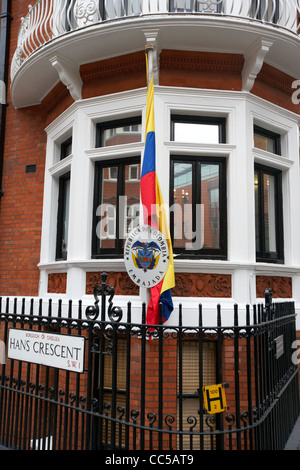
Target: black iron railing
(145,387)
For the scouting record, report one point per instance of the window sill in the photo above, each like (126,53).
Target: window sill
(181,266)
(276,161)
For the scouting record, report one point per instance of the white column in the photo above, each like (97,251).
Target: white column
(240,190)
(79,243)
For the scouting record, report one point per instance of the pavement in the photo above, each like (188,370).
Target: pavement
(293,442)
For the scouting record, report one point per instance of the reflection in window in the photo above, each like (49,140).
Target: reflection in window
(120,132)
(198,216)
(268,214)
(108,203)
(116,209)
(183,199)
(198,130)
(267,140)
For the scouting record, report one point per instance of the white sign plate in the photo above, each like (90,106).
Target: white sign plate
(146,256)
(48,349)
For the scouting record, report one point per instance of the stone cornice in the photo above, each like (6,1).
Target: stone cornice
(201,61)
(122,65)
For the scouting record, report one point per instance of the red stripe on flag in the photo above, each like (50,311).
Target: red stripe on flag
(148,194)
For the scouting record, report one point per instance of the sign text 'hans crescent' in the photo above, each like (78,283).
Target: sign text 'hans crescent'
(48,349)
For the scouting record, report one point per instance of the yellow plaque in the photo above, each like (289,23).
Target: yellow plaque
(214,399)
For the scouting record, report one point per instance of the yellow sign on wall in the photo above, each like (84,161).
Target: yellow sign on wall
(215,398)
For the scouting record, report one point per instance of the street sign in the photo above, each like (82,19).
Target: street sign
(215,398)
(48,349)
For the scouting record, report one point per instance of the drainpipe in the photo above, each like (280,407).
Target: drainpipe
(4,65)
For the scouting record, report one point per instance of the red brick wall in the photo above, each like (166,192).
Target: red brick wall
(22,203)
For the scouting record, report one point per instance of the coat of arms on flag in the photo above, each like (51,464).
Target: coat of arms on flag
(146,256)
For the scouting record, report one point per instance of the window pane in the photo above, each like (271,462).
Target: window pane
(266,140)
(197,133)
(268,215)
(132,195)
(199,212)
(183,195)
(264,143)
(65,226)
(121,135)
(117,205)
(63,218)
(269,212)
(210,198)
(257,214)
(66,149)
(108,208)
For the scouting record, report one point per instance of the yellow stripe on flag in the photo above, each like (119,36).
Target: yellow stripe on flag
(169,279)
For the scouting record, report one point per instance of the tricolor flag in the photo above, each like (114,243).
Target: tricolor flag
(155,216)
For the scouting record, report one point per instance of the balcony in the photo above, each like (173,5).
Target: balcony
(83,31)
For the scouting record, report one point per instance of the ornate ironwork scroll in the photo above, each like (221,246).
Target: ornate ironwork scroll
(104,290)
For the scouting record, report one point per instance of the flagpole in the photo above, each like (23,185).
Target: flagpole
(151,198)
(149,50)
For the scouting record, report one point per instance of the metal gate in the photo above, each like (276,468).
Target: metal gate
(145,387)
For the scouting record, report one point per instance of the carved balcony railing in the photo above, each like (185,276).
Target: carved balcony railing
(48,20)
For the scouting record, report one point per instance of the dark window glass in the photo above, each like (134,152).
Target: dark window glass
(63,217)
(268,214)
(123,131)
(116,204)
(199,207)
(267,140)
(66,148)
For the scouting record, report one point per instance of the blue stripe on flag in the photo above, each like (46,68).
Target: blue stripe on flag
(149,157)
